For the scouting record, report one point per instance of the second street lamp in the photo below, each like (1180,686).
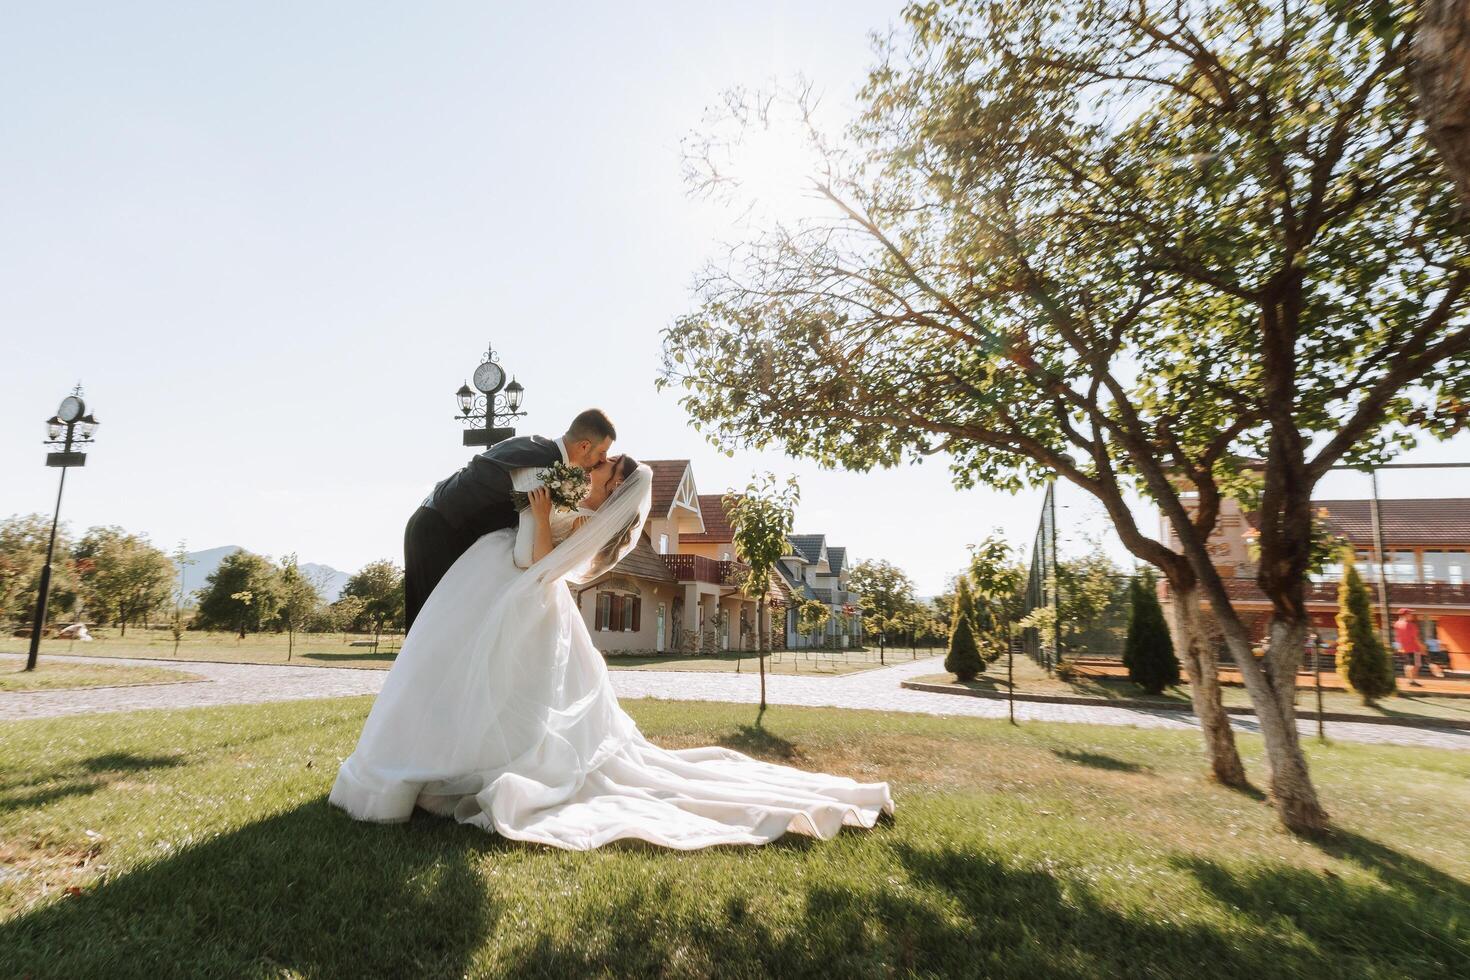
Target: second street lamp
(70,427)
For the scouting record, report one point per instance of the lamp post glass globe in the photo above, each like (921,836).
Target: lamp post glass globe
(466,398)
(54,426)
(87,425)
(513,394)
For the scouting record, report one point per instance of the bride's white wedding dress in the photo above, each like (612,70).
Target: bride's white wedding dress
(499,711)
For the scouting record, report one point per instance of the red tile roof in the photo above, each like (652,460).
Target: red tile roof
(717,529)
(1434,522)
(667,473)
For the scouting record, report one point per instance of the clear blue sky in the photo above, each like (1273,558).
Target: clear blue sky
(273,238)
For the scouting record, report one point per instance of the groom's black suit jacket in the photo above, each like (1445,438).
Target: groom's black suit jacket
(470,503)
(477,498)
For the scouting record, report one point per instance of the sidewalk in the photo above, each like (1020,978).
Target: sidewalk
(876,690)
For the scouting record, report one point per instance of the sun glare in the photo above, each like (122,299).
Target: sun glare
(775,169)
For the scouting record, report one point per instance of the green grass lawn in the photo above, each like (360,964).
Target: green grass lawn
(199,843)
(311,649)
(1032,679)
(53,675)
(797,662)
(335,650)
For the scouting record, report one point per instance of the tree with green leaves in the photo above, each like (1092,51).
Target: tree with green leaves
(963,659)
(812,616)
(380,587)
(241,594)
(23,540)
(298,600)
(182,561)
(1052,250)
(1362,662)
(347,614)
(1148,652)
(124,577)
(885,594)
(761,519)
(999,583)
(1438,52)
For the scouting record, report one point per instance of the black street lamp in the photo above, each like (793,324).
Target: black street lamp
(484,415)
(71,426)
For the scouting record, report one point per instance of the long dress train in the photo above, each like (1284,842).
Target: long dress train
(500,712)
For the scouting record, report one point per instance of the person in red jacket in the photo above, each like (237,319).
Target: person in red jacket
(1407,639)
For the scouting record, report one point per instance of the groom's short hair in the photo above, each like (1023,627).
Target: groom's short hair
(592,425)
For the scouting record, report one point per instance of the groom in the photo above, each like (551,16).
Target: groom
(476,500)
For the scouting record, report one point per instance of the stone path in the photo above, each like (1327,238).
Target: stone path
(875,689)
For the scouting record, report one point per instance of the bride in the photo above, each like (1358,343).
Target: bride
(499,710)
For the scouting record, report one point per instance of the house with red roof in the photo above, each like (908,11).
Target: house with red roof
(1425,566)
(679,589)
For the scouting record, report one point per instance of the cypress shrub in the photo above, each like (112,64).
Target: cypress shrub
(1362,662)
(1148,652)
(963,660)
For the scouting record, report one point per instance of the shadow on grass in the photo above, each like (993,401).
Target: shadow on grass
(304,893)
(1097,760)
(1410,919)
(756,740)
(38,787)
(336,657)
(964,913)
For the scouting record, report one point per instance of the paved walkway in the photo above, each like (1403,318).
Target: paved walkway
(875,689)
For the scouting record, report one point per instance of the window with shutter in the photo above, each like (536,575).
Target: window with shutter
(637,613)
(604,610)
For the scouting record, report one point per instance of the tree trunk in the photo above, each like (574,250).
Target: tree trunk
(1441,70)
(1291,786)
(1204,691)
(761,655)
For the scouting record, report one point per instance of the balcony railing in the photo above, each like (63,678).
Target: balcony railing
(697,568)
(1399,593)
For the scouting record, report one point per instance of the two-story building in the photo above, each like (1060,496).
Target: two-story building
(816,570)
(678,590)
(1426,547)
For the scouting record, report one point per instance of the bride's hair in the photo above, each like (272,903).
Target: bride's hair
(618,543)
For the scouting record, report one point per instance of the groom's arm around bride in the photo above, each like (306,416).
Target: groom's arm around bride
(477,500)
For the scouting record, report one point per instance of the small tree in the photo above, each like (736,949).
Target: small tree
(811,618)
(299,599)
(999,583)
(380,587)
(963,660)
(762,519)
(885,592)
(1362,663)
(182,561)
(1148,652)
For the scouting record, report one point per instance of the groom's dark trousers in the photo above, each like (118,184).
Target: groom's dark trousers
(468,504)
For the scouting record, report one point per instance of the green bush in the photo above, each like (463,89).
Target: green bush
(1148,653)
(963,660)
(1362,662)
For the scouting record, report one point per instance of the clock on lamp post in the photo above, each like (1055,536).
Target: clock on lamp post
(484,414)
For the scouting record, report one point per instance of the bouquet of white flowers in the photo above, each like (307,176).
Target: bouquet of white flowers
(568,485)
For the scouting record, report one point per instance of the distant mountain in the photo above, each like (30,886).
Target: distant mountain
(328,580)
